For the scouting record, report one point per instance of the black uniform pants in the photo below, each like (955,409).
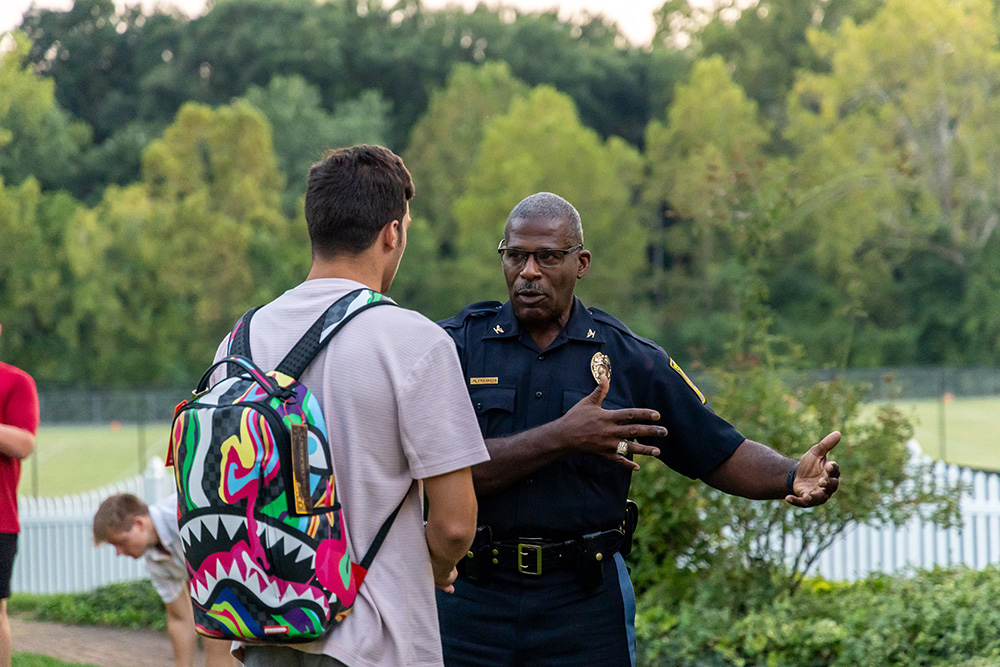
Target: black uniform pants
(517,620)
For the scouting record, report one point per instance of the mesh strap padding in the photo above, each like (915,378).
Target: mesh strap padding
(329,323)
(239,340)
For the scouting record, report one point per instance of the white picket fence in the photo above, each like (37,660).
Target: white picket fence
(922,545)
(56,553)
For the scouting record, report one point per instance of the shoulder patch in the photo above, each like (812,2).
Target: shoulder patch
(478,309)
(673,364)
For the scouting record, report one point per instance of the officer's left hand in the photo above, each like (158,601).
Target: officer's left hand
(589,428)
(816,478)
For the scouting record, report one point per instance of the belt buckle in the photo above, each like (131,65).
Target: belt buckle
(529,555)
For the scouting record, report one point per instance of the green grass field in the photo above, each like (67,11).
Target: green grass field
(73,459)
(965,431)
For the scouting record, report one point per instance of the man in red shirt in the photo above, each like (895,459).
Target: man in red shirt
(18,425)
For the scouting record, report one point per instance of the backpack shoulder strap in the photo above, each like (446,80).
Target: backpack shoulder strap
(239,339)
(329,323)
(383,531)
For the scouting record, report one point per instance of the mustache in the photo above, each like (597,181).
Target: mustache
(528,287)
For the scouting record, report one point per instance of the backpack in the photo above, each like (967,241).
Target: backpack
(261,528)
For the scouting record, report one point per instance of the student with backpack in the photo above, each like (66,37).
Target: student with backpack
(149,532)
(401,435)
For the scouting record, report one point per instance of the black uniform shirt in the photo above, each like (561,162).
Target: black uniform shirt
(515,386)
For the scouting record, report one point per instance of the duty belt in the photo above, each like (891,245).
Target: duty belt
(535,556)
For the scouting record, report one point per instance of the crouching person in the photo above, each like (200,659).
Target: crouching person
(150,532)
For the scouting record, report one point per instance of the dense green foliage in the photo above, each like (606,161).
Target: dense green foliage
(131,604)
(937,619)
(152,170)
(696,543)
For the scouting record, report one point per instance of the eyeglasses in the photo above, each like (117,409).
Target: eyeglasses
(548,258)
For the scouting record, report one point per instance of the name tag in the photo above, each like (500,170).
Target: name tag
(484,380)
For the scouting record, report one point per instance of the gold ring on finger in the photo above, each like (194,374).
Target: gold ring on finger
(623,447)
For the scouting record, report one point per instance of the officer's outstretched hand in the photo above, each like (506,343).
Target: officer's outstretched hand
(591,429)
(816,478)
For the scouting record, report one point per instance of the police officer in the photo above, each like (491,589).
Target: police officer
(554,384)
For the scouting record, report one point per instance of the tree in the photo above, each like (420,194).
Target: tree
(715,190)
(609,82)
(101,62)
(117,160)
(36,137)
(97,57)
(303,129)
(898,154)
(764,42)
(540,145)
(730,552)
(35,286)
(166,266)
(445,142)
(981,319)
(113,67)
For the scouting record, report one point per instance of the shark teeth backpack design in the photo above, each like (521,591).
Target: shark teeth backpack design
(261,527)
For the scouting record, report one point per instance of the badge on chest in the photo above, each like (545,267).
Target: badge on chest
(600,364)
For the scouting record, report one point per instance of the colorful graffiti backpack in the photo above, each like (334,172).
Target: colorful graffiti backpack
(261,528)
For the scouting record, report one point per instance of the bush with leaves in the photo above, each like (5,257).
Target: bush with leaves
(742,552)
(933,618)
(131,604)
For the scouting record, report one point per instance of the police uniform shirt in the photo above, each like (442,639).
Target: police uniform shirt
(515,386)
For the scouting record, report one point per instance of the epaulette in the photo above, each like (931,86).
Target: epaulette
(604,318)
(478,309)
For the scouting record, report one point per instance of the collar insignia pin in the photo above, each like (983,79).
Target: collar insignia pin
(590,333)
(600,364)
(498,329)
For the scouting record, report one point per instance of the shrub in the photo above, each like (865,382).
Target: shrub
(692,537)
(936,618)
(132,604)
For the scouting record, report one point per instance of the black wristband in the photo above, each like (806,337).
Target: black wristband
(790,480)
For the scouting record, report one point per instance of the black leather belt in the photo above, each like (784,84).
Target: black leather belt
(534,556)
(529,556)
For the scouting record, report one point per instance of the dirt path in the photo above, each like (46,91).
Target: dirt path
(104,647)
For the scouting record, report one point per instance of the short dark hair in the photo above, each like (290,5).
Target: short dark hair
(116,514)
(547,206)
(351,195)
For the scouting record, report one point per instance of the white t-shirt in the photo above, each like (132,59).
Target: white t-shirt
(392,391)
(166,566)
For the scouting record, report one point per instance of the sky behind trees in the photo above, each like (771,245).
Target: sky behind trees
(634,18)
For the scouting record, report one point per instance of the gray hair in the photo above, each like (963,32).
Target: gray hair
(547,206)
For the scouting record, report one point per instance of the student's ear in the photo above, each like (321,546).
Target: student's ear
(392,235)
(144,523)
